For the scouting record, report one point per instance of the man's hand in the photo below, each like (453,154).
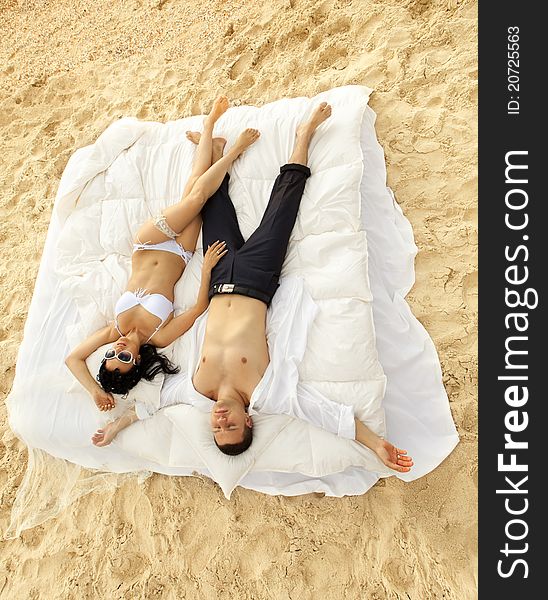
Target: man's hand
(213,255)
(392,457)
(104,400)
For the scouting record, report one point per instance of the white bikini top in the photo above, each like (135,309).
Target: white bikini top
(156,304)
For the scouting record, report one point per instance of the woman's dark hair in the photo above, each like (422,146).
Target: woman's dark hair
(149,366)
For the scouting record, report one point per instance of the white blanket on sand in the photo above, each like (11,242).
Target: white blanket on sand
(352,246)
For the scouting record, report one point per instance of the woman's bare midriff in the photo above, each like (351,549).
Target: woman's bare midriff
(234,353)
(156,271)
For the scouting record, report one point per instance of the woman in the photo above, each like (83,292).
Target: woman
(144,313)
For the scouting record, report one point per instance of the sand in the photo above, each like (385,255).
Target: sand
(68,69)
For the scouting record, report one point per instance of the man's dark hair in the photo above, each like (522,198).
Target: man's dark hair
(235,449)
(149,366)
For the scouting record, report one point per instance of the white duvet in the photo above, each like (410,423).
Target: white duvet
(351,244)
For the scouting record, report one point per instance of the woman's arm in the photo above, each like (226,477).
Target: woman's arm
(182,323)
(76,362)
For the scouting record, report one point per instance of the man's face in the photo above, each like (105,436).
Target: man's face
(228,422)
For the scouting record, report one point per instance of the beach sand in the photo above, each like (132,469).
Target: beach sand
(69,68)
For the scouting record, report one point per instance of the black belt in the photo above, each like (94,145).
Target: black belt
(231,288)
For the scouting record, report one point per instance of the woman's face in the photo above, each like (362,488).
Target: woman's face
(123,344)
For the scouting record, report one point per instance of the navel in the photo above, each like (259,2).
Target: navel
(244,359)
(203,359)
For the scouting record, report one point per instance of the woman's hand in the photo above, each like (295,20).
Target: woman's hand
(104,400)
(213,255)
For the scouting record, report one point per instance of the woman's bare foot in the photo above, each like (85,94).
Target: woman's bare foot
(219,107)
(105,435)
(244,140)
(218,144)
(321,113)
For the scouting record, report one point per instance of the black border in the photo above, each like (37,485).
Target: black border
(499,133)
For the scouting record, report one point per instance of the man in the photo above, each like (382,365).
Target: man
(234,355)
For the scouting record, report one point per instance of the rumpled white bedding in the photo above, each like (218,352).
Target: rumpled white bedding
(351,244)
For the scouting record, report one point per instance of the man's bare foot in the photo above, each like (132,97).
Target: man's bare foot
(320,114)
(244,140)
(219,107)
(392,457)
(105,435)
(217,147)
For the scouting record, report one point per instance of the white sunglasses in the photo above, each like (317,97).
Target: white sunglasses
(124,356)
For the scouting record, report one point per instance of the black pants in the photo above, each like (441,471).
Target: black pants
(254,266)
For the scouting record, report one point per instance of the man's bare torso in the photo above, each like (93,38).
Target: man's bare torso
(234,353)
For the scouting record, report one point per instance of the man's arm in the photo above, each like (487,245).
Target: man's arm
(392,457)
(312,406)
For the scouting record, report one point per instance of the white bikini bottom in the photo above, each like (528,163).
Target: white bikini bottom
(167,246)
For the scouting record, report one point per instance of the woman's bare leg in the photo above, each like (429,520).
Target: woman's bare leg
(182,214)
(189,236)
(217,146)
(305,131)
(208,183)
(202,161)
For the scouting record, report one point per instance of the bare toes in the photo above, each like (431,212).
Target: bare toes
(219,107)
(193,136)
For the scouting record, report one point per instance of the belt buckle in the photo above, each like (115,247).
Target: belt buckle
(226,288)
